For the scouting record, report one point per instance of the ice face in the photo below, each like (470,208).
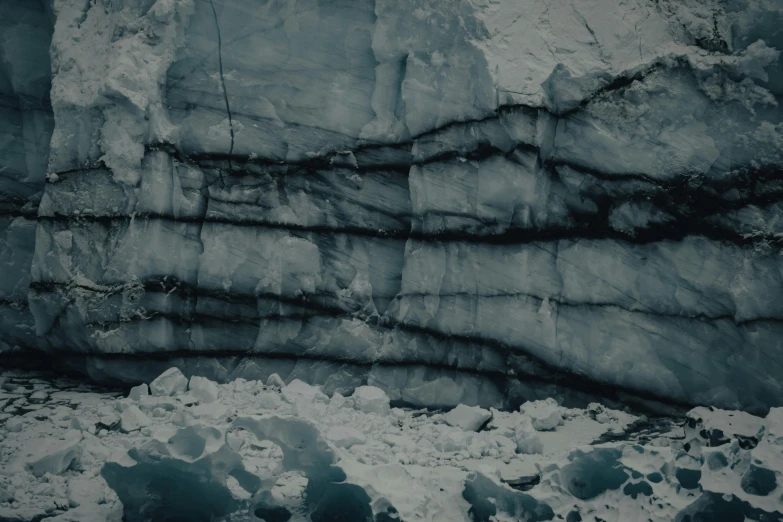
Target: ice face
(464,202)
(25,128)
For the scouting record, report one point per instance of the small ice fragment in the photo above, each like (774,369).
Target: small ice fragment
(137,392)
(297,389)
(5,496)
(14,424)
(133,419)
(275,381)
(467,418)
(546,415)
(527,438)
(203,389)
(345,436)
(171,382)
(55,456)
(370,399)
(80,424)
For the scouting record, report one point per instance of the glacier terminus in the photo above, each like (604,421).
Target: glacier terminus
(556,222)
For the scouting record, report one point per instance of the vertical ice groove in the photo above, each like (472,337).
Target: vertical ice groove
(223,85)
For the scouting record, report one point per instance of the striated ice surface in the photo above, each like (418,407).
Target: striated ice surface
(261,453)
(26,125)
(477,202)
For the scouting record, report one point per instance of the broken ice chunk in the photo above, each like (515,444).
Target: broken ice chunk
(203,389)
(345,436)
(54,456)
(275,381)
(453,441)
(468,418)
(5,495)
(290,487)
(546,415)
(81,424)
(268,400)
(298,390)
(182,476)
(137,392)
(14,424)
(370,399)
(491,500)
(133,419)
(526,437)
(171,382)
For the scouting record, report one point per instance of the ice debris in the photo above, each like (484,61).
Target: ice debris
(203,389)
(137,392)
(369,399)
(54,456)
(469,418)
(248,451)
(546,415)
(171,382)
(275,381)
(132,419)
(345,436)
(526,437)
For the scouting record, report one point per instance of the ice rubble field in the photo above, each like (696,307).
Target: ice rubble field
(182,449)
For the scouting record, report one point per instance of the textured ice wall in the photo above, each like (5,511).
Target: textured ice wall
(455,201)
(25,128)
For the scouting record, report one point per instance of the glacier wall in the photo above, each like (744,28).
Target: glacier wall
(476,201)
(26,126)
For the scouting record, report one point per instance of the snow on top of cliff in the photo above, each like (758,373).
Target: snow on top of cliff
(115,60)
(597,40)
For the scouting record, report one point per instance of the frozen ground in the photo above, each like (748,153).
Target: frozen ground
(247,450)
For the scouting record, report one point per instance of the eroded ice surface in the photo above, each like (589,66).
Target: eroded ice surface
(259,452)
(25,129)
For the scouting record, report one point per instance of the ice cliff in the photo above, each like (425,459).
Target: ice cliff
(480,202)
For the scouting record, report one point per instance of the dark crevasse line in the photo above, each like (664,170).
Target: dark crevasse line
(31,215)
(676,187)
(620,82)
(689,201)
(745,177)
(596,230)
(20,102)
(223,84)
(14,303)
(331,310)
(574,390)
(169,285)
(700,187)
(689,209)
(534,364)
(522,367)
(519,360)
(563,380)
